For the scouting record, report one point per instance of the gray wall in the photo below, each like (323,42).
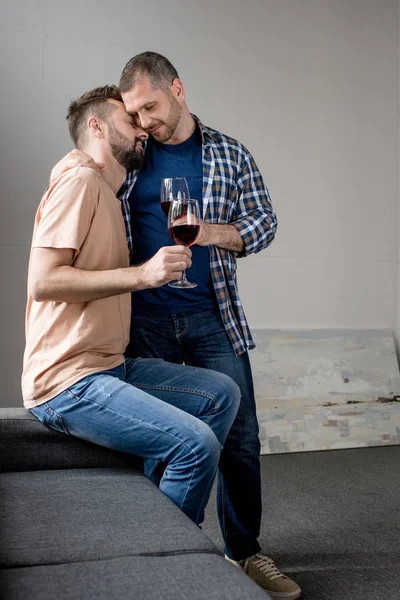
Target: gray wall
(398,210)
(310,86)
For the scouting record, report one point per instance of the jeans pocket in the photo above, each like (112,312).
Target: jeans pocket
(50,418)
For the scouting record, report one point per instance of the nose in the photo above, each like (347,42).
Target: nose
(144,121)
(143,135)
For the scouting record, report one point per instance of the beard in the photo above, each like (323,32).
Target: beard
(170,125)
(129,154)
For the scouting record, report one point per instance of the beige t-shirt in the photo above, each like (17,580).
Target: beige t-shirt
(67,341)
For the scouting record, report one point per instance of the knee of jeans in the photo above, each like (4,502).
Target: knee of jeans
(229,393)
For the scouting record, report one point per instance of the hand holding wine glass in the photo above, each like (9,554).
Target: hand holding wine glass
(184,227)
(165,266)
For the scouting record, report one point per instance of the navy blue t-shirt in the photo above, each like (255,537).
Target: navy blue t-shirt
(150,227)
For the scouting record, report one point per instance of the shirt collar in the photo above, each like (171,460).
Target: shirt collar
(205,132)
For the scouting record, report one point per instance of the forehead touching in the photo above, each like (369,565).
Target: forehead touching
(119,106)
(118,112)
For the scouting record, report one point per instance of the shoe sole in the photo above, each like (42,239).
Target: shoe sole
(283,595)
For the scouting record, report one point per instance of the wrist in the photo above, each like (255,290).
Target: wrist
(208,234)
(142,277)
(206,237)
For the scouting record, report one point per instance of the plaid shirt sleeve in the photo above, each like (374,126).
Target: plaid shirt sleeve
(255,218)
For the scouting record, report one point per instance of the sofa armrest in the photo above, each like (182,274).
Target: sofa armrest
(28,445)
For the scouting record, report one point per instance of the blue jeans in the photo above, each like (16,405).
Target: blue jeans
(200,339)
(177,415)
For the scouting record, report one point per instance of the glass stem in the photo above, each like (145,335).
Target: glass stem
(183,277)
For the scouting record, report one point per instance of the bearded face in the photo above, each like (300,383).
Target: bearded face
(129,154)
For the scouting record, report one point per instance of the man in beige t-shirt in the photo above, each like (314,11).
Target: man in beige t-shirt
(75,377)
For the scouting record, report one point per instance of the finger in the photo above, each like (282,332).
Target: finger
(179,250)
(174,260)
(181,266)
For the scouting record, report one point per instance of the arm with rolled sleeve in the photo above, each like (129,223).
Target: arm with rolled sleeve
(255,221)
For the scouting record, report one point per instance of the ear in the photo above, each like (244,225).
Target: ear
(96,127)
(177,90)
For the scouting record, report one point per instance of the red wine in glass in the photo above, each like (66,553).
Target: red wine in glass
(184,227)
(165,204)
(184,235)
(173,188)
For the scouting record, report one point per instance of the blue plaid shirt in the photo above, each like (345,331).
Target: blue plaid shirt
(233,193)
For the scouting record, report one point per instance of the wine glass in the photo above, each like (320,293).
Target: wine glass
(173,188)
(184,227)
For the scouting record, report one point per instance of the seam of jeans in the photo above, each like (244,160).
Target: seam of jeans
(185,390)
(53,414)
(191,479)
(169,388)
(72,394)
(178,334)
(207,490)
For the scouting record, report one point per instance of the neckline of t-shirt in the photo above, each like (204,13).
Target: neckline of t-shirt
(182,145)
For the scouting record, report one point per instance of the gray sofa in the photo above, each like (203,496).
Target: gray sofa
(78,521)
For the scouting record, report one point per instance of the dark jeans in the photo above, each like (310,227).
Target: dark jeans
(200,340)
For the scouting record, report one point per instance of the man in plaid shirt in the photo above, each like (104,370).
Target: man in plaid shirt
(205,326)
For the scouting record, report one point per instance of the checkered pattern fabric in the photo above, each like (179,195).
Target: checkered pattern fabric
(233,193)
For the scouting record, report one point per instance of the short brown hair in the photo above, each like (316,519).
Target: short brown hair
(158,68)
(92,103)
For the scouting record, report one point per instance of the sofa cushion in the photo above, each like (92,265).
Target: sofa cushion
(27,445)
(50,517)
(177,577)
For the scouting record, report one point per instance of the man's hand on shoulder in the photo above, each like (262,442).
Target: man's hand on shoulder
(71,160)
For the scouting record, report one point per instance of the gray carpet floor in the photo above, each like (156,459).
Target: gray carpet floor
(331,520)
